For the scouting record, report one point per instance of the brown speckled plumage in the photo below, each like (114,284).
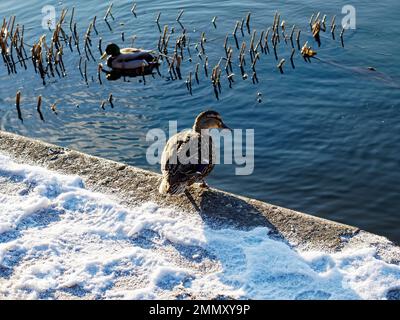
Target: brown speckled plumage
(196,148)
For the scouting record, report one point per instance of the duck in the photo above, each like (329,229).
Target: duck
(178,174)
(128,59)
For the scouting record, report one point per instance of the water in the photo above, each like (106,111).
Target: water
(326,133)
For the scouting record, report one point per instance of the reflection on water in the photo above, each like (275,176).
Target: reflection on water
(326,132)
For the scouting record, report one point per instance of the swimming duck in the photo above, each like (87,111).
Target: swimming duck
(128,59)
(180,164)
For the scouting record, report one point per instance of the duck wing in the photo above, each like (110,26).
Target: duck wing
(130,61)
(127,57)
(129,65)
(180,160)
(129,50)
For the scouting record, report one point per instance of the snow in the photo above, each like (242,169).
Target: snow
(61,240)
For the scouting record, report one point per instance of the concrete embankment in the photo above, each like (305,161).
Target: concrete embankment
(131,186)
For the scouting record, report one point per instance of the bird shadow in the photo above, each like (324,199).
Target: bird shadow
(222,210)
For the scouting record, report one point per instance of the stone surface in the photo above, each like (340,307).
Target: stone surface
(131,185)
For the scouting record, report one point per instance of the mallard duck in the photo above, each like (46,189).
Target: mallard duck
(128,59)
(180,164)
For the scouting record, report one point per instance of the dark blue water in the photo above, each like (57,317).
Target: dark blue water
(326,133)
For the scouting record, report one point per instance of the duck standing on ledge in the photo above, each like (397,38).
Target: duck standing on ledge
(129,59)
(196,145)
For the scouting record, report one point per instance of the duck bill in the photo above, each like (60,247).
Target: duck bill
(224,126)
(104,56)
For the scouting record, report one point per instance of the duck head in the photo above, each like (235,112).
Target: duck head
(209,120)
(112,50)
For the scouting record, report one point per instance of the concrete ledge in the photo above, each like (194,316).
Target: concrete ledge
(130,186)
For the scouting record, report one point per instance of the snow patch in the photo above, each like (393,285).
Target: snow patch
(59,239)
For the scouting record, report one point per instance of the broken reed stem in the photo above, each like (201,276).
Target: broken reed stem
(280,65)
(341,36)
(333,32)
(110,100)
(100,49)
(94,25)
(333,22)
(99,70)
(17,105)
(251,47)
(298,39)
(248,21)
(178,18)
(225,44)
(323,21)
(206,66)
(72,18)
(196,72)
(291,58)
(108,12)
(85,73)
(236,27)
(133,9)
(189,82)
(311,20)
(257,56)
(291,35)
(38,107)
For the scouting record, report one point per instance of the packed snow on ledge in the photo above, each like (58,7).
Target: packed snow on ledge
(60,240)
